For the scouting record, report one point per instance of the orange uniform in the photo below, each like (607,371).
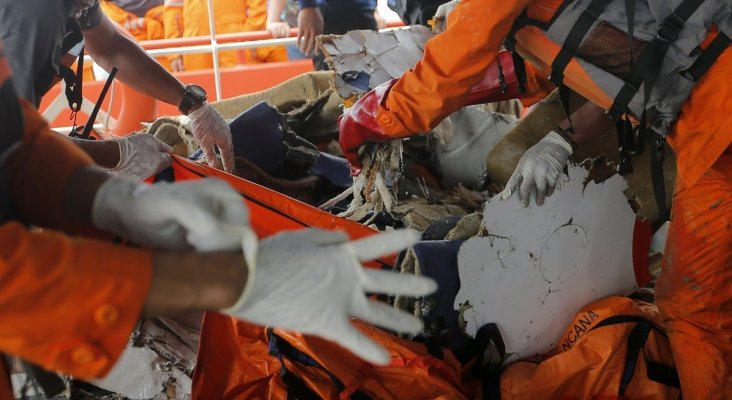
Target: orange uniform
(230,16)
(695,288)
(150,27)
(66,304)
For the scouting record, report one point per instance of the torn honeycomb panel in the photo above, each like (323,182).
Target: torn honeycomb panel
(365,59)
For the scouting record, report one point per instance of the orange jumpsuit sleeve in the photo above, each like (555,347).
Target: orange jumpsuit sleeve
(131,22)
(704,128)
(256,16)
(453,62)
(173,22)
(69,304)
(38,171)
(173,19)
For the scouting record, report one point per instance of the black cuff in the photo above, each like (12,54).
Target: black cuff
(566,134)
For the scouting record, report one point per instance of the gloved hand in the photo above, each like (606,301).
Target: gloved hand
(211,131)
(205,214)
(358,124)
(141,156)
(312,281)
(539,168)
(442,14)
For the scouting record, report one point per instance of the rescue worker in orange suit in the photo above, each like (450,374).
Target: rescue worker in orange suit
(69,303)
(146,20)
(38,34)
(229,17)
(693,291)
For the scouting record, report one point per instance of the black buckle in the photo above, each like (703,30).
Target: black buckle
(660,150)
(670,29)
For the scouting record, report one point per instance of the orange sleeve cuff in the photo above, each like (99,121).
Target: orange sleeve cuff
(68,304)
(441,80)
(39,169)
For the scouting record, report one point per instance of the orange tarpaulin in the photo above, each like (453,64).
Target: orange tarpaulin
(272,212)
(219,357)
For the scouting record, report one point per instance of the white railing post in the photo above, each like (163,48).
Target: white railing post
(214,50)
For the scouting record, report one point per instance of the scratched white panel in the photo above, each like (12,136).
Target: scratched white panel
(539,266)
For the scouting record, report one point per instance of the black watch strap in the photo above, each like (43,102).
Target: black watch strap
(193,96)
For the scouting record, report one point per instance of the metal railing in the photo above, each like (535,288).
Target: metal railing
(212,43)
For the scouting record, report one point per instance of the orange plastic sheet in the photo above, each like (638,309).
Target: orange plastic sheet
(272,212)
(233,358)
(241,367)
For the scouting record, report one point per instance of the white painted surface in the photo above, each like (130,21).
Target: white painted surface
(658,241)
(140,373)
(471,134)
(540,265)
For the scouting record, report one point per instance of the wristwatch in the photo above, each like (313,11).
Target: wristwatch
(193,96)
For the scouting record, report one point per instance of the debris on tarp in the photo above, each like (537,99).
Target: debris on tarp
(158,363)
(365,59)
(309,101)
(452,154)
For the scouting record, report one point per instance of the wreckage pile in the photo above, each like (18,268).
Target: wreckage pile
(443,184)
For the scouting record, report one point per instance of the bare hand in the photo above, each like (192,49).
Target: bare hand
(278,29)
(309,25)
(176,64)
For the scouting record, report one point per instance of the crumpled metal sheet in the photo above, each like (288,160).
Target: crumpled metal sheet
(378,56)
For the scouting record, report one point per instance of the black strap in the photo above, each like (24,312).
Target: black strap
(636,341)
(86,133)
(490,374)
(11,117)
(624,319)
(647,69)
(11,121)
(519,64)
(657,178)
(74,82)
(296,387)
(663,374)
(705,61)
(574,39)
(627,144)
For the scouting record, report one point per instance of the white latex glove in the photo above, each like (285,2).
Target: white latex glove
(141,156)
(539,168)
(441,15)
(312,281)
(211,131)
(206,214)
(278,29)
